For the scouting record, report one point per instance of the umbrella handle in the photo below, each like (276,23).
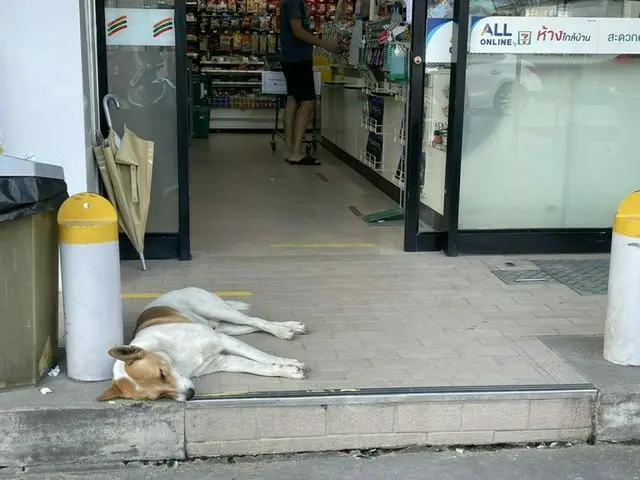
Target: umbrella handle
(110,97)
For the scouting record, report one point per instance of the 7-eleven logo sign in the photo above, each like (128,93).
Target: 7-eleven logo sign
(524,38)
(116,25)
(163,26)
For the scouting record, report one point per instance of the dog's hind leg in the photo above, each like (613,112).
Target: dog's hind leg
(236,364)
(242,349)
(284,330)
(209,307)
(235,330)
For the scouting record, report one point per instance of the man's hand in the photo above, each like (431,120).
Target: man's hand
(331,47)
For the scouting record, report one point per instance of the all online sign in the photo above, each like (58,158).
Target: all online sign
(140,27)
(555,35)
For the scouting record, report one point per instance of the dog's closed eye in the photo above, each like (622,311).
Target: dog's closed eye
(162,376)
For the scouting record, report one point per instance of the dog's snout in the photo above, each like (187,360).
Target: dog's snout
(190,394)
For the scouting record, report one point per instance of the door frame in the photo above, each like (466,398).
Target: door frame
(446,231)
(169,245)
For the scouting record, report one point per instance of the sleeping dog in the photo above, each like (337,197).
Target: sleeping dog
(188,333)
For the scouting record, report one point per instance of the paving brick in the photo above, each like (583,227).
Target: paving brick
(392,440)
(378,375)
(428,417)
(550,321)
(507,415)
(331,344)
(463,364)
(274,422)
(460,438)
(204,424)
(333,375)
(391,343)
(525,436)
(567,413)
(348,419)
(575,434)
(428,352)
(483,351)
(203,449)
(327,443)
(340,364)
(364,353)
(529,307)
(360,335)
(473,332)
(238,447)
(322,355)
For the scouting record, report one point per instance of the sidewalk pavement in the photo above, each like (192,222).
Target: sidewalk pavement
(390,319)
(465,346)
(606,462)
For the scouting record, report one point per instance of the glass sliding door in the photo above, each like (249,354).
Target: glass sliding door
(144,70)
(430,153)
(550,117)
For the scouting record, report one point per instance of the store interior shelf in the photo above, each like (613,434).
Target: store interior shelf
(232,72)
(235,84)
(243,119)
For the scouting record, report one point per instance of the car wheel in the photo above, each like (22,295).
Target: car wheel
(508,98)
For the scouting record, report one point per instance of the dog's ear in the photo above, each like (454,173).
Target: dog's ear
(127,353)
(111,393)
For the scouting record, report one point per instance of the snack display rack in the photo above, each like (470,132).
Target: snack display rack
(228,41)
(372,87)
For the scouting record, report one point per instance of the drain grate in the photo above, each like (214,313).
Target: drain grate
(586,277)
(520,277)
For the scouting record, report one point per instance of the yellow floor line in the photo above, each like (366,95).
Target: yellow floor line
(129,295)
(322,245)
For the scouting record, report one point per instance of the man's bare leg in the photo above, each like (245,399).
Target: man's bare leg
(289,119)
(299,129)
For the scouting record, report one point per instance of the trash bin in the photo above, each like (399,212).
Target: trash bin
(30,195)
(201,119)
(200,87)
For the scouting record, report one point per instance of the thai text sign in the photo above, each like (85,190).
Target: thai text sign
(559,35)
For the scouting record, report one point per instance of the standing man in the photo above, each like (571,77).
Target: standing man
(296,58)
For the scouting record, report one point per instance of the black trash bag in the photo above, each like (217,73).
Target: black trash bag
(25,196)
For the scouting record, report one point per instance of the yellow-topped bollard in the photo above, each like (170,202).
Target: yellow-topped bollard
(622,325)
(91,291)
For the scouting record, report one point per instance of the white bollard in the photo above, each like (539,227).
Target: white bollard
(622,325)
(91,291)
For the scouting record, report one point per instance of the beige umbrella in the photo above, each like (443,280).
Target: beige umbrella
(126,167)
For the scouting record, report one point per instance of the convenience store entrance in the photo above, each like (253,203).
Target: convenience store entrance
(223,190)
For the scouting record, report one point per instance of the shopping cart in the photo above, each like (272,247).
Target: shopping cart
(274,83)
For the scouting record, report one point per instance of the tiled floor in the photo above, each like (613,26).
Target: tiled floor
(244,198)
(377,317)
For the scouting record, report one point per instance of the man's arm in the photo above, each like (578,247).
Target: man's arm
(301,34)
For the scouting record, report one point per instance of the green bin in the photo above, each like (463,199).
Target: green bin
(30,196)
(201,89)
(201,119)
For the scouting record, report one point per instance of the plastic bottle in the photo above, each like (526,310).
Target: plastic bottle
(397,62)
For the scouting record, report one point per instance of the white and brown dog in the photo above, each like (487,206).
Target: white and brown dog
(188,333)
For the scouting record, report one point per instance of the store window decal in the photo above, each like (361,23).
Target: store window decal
(140,27)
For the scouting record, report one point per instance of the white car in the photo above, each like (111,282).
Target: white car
(496,81)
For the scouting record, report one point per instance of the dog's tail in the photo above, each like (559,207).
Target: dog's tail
(240,306)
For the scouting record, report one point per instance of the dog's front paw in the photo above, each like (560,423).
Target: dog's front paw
(297,327)
(291,371)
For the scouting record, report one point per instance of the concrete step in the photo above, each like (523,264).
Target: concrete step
(617,416)
(67,426)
